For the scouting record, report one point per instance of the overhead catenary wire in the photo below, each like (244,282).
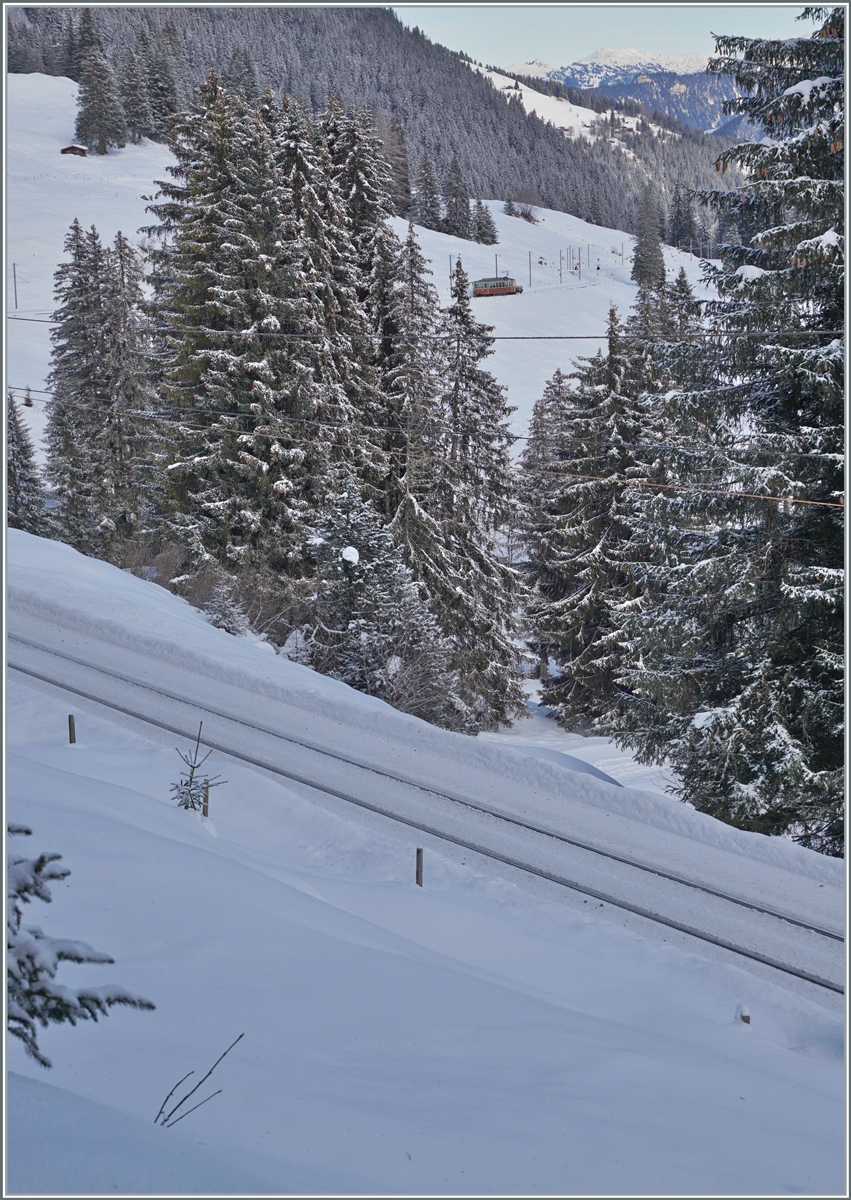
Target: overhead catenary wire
(520,337)
(173,415)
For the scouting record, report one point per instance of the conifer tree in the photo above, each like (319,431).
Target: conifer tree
(648,265)
(134,94)
(682,230)
(428,210)
(586,447)
(373,628)
(100,118)
(473,590)
(33,996)
(740,683)
(98,445)
(483,225)
(25,498)
(457,203)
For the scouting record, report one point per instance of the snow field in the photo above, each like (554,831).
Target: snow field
(46,190)
(508,1041)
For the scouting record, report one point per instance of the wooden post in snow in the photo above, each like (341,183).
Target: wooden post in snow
(72,729)
(419,866)
(205,811)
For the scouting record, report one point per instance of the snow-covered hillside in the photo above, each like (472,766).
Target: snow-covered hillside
(47,190)
(482,1034)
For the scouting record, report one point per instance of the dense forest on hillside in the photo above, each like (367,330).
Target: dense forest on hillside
(442,107)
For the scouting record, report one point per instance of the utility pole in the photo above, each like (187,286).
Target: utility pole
(530,268)
(496,264)
(15,279)
(559,268)
(621,253)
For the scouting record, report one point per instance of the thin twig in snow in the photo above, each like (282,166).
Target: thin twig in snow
(192,1110)
(171,1093)
(200,1081)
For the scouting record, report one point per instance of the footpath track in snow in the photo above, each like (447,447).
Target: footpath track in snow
(783,941)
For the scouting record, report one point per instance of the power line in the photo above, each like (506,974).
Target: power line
(526,337)
(174,416)
(245,435)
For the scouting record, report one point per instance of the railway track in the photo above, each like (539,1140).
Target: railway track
(807,940)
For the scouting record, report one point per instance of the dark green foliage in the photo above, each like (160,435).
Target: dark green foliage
(25,498)
(456,199)
(101,122)
(428,210)
(373,626)
(99,446)
(738,684)
(682,227)
(648,265)
(483,225)
(137,102)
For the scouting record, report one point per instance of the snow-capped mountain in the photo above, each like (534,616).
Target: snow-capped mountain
(613,67)
(676,84)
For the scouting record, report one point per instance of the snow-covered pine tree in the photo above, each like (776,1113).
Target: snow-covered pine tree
(483,225)
(25,497)
(135,98)
(163,90)
(270,351)
(585,447)
(362,175)
(127,443)
(224,607)
(392,134)
(472,588)
(32,959)
(98,442)
(75,381)
(682,230)
(742,680)
(456,198)
(648,265)
(242,73)
(101,122)
(225,280)
(372,625)
(428,210)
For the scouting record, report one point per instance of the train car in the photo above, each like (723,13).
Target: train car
(502,286)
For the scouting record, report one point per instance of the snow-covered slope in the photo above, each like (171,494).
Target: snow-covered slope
(479,1034)
(47,190)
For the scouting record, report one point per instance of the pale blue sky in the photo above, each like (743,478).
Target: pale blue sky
(562,33)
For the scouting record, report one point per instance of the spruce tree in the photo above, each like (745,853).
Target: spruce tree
(32,958)
(98,443)
(472,588)
(585,449)
(428,210)
(101,122)
(648,265)
(373,628)
(76,385)
(483,225)
(25,498)
(740,682)
(457,203)
(134,94)
(682,230)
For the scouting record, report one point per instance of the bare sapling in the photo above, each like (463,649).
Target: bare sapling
(193,789)
(165,1118)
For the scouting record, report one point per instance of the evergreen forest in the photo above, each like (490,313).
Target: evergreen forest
(270,412)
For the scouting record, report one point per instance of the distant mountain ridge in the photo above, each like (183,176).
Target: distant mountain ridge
(677,84)
(614,67)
